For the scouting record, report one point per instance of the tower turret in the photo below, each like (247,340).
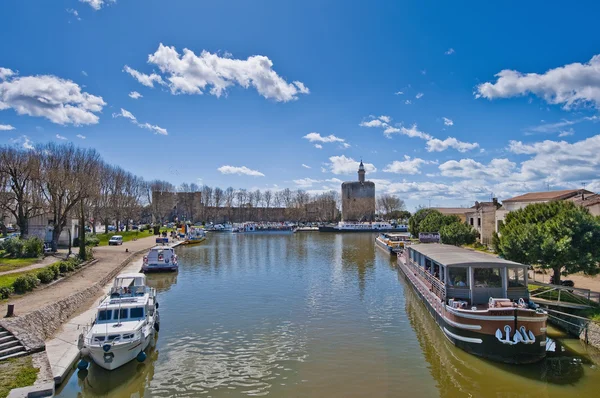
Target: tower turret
(361,172)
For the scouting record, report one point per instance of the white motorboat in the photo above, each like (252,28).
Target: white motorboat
(161,258)
(377,226)
(125,324)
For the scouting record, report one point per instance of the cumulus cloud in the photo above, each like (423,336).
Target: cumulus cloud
(437,145)
(81,136)
(566,133)
(60,101)
(189,73)
(23,141)
(74,13)
(407,102)
(60,137)
(306,182)
(448,122)
(135,95)
(5,73)
(469,168)
(569,85)
(316,137)
(243,170)
(398,93)
(345,165)
(6,127)
(97,4)
(306,166)
(128,115)
(318,146)
(406,166)
(419,95)
(449,52)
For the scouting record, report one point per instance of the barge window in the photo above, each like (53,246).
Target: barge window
(104,315)
(487,277)
(122,315)
(516,277)
(137,313)
(457,277)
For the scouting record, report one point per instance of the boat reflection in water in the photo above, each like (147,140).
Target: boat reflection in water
(162,282)
(461,374)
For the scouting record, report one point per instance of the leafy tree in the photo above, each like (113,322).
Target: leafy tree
(458,234)
(557,235)
(415,220)
(401,215)
(435,220)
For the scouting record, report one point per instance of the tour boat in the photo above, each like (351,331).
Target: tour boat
(279,228)
(160,258)
(393,243)
(376,226)
(479,301)
(126,322)
(220,228)
(194,236)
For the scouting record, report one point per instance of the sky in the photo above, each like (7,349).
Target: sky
(446,103)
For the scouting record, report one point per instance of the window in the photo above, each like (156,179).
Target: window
(487,277)
(121,315)
(479,221)
(104,315)
(471,221)
(137,313)
(457,277)
(516,277)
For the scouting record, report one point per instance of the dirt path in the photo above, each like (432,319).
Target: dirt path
(109,257)
(581,281)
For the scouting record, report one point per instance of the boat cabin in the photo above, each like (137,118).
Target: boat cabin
(128,285)
(160,255)
(468,277)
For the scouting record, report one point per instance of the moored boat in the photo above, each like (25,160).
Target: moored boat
(277,228)
(194,236)
(393,243)
(126,321)
(480,302)
(378,226)
(160,258)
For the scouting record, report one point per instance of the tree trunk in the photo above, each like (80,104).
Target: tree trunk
(556,275)
(82,253)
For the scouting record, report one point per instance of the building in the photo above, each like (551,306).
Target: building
(358,198)
(460,212)
(590,202)
(43,224)
(482,217)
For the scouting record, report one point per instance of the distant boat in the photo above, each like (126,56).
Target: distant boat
(277,228)
(377,226)
(393,243)
(220,228)
(194,237)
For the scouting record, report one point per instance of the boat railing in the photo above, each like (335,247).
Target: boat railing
(434,284)
(99,339)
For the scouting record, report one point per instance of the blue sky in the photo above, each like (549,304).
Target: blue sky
(244,93)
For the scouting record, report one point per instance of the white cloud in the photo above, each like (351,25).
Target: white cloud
(385,119)
(60,137)
(345,145)
(59,100)
(406,166)
(6,127)
(135,95)
(449,52)
(471,169)
(74,13)
(318,146)
(372,123)
(316,137)
(306,166)
(24,142)
(128,115)
(146,80)
(81,136)
(570,85)
(97,4)
(243,170)
(566,133)
(407,102)
(413,132)
(398,93)
(448,122)
(306,182)
(559,126)
(84,73)
(195,74)
(345,165)
(5,73)
(419,95)
(437,145)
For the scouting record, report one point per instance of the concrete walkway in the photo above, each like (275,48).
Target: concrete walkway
(44,262)
(109,258)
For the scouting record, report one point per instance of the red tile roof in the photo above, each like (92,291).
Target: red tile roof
(547,195)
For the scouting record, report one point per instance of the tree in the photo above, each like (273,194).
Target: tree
(559,235)
(458,234)
(434,221)
(415,220)
(387,203)
(400,215)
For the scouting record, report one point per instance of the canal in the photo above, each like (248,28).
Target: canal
(313,315)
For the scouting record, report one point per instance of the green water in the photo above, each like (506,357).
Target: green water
(313,315)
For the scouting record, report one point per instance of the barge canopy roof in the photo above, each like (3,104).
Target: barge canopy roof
(453,256)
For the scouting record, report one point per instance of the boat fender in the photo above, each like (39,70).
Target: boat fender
(157,326)
(521,302)
(82,365)
(85,351)
(106,347)
(157,304)
(141,357)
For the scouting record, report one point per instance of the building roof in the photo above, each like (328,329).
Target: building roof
(453,256)
(588,200)
(452,210)
(547,195)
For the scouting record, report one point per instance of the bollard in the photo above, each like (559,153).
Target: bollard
(11,310)
(126,250)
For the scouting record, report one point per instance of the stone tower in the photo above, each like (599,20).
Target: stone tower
(358,198)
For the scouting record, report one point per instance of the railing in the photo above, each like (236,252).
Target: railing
(434,284)
(565,294)
(590,295)
(117,338)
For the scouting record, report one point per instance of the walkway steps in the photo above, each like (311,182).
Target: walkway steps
(10,347)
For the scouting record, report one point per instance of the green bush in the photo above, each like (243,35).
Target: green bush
(89,253)
(65,266)
(55,269)
(45,275)
(91,240)
(14,247)
(33,247)
(5,292)
(25,283)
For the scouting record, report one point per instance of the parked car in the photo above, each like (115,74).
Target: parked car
(115,240)
(135,227)
(112,228)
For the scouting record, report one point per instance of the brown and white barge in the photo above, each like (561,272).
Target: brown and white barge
(480,302)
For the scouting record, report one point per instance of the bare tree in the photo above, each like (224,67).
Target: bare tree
(387,203)
(267,196)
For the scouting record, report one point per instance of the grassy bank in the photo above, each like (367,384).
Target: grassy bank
(8,264)
(16,373)
(127,236)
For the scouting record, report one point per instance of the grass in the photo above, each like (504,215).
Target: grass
(8,264)
(480,248)
(15,373)
(127,236)
(8,279)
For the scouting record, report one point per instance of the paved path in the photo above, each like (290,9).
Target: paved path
(109,257)
(60,255)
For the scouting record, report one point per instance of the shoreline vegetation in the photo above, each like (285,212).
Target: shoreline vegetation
(16,373)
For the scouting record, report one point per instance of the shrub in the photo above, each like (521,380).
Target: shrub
(89,253)
(45,275)
(92,240)
(65,266)
(5,292)
(55,269)
(25,283)
(14,247)
(33,247)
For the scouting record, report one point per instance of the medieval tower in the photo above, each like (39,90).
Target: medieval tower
(358,198)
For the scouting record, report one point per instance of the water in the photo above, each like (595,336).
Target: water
(313,315)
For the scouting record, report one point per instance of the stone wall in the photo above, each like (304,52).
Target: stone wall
(593,335)
(358,201)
